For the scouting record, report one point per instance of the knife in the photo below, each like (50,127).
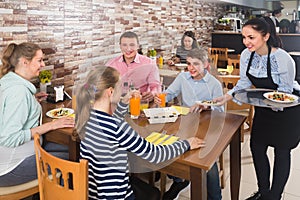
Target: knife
(164,140)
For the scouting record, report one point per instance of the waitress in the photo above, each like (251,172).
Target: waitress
(265,65)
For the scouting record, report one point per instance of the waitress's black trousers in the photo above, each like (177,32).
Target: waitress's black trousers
(281,170)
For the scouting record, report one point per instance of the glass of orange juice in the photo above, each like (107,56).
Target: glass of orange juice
(162,97)
(134,105)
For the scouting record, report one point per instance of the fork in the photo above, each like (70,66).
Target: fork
(163,133)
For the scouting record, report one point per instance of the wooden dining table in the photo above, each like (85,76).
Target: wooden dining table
(218,129)
(66,136)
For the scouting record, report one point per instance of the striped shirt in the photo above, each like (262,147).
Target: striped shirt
(108,140)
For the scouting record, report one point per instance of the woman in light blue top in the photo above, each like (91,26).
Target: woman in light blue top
(20,112)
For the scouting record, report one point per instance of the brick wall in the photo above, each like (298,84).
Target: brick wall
(80,34)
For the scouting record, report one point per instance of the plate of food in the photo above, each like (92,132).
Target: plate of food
(181,66)
(60,112)
(280,97)
(208,103)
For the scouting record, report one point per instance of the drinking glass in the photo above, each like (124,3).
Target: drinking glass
(162,97)
(230,69)
(144,105)
(74,92)
(134,104)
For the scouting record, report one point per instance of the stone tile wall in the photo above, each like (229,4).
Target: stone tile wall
(77,35)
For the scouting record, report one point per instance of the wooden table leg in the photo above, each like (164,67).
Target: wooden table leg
(73,150)
(163,181)
(235,165)
(198,184)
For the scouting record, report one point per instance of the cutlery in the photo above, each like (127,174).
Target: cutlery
(163,133)
(67,95)
(164,140)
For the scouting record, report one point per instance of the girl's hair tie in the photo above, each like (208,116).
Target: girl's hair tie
(86,86)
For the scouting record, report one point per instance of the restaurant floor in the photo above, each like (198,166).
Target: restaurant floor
(248,178)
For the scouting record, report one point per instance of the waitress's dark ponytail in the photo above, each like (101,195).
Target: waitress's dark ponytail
(274,39)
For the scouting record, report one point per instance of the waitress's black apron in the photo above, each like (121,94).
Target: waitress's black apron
(279,129)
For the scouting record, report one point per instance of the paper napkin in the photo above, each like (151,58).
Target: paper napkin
(155,135)
(182,110)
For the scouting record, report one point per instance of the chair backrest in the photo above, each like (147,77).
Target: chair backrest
(222,53)
(234,62)
(60,179)
(213,58)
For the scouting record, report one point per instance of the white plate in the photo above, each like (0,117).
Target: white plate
(59,112)
(292,97)
(181,65)
(208,103)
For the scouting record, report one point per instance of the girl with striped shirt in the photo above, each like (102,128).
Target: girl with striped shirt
(107,139)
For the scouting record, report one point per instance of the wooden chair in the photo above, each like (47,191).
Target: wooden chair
(60,179)
(213,59)
(19,191)
(232,107)
(222,55)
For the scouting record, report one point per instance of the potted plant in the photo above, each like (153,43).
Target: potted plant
(45,80)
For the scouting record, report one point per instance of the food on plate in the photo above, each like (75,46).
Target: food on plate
(60,112)
(209,102)
(281,97)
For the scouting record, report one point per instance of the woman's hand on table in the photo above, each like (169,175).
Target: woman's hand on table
(195,143)
(64,122)
(41,96)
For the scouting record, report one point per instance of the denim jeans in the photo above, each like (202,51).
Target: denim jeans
(213,183)
(26,171)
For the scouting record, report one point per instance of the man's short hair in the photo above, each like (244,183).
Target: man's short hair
(129,34)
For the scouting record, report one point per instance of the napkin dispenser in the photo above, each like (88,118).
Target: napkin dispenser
(161,115)
(57,94)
